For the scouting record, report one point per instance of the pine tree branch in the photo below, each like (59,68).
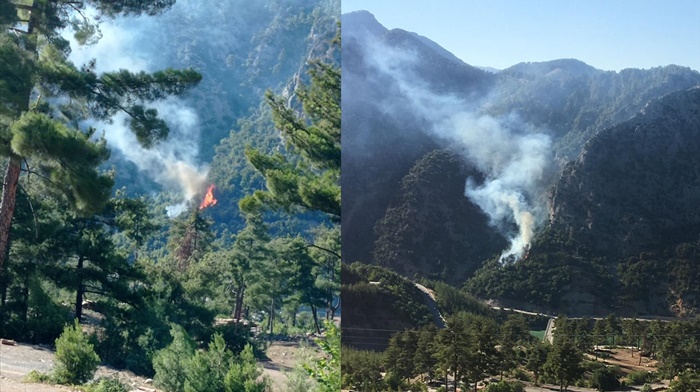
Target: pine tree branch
(77,9)
(39,175)
(16,30)
(324,249)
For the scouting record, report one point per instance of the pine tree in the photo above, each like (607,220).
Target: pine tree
(326,253)
(564,363)
(43,137)
(536,359)
(189,239)
(312,181)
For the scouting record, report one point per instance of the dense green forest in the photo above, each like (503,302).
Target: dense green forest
(192,299)
(485,348)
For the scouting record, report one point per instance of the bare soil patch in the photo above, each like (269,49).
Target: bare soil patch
(628,360)
(17,361)
(283,357)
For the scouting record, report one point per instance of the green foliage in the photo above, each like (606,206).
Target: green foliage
(245,374)
(298,380)
(17,69)
(563,363)
(424,359)
(326,371)
(361,370)
(207,369)
(312,183)
(433,249)
(179,368)
(106,384)
(170,363)
(39,377)
(451,300)
(76,360)
(522,375)
(686,381)
(399,356)
(641,377)
(44,317)
(466,349)
(391,302)
(69,157)
(606,378)
(505,386)
(536,359)
(646,388)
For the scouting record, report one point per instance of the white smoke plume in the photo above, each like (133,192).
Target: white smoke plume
(172,163)
(514,160)
(511,154)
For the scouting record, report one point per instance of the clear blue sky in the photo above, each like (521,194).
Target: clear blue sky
(607,34)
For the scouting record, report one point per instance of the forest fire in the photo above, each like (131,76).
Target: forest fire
(209,199)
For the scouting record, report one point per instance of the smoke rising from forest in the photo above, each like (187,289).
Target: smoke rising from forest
(512,155)
(173,163)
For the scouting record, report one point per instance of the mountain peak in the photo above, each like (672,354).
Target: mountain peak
(572,66)
(362,22)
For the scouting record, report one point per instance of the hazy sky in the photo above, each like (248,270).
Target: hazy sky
(607,34)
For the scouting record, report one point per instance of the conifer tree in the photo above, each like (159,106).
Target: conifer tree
(311,182)
(39,135)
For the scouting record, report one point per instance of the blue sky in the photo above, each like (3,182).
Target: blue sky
(609,35)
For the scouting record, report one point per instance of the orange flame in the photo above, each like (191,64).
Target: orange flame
(209,199)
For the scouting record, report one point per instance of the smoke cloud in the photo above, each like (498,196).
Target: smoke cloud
(512,155)
(514,158)
(174,162)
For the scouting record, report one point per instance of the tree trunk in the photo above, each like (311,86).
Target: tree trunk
(25,301)
(80,292)
(7,204)
(238,311)
(4,285)
(272,314)
(313,312)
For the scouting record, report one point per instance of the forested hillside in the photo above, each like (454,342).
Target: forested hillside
(176,258)
(582,171)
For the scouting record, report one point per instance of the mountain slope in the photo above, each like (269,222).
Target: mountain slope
(622,181)
(624,222)
(635,186)
(409,242)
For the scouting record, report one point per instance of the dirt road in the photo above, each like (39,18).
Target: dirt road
(17,361)
(429,299)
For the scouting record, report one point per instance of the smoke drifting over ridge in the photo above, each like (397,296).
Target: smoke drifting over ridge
(512,155)
(173,163)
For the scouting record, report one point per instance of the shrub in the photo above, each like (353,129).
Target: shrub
(504,386)
(298,381)
(686,381)
(207,369)
(641,377)
(36,376)
(244,374)
(171,363)
(76,360)
(605,379)
(522,375)
(107,384)
(646,388)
